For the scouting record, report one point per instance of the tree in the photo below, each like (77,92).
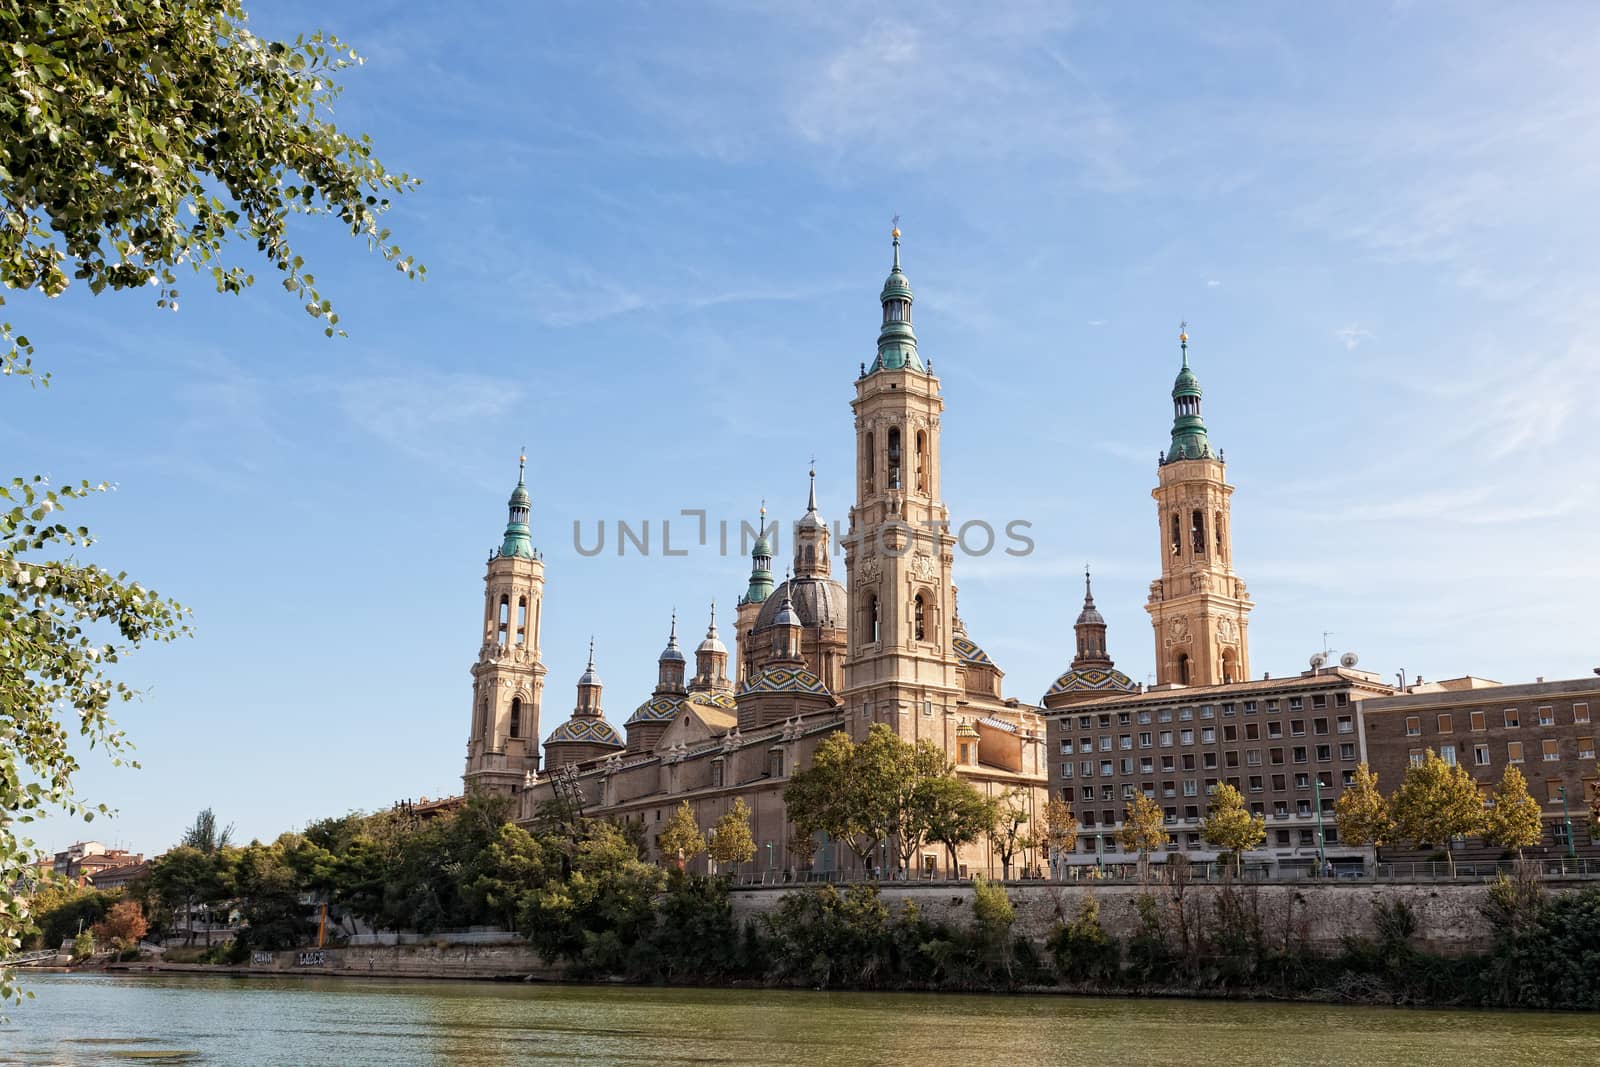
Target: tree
(204,836)
(83,945)
(139,138)
(957,814)
(1437,801)
(517,864)
(1361,813)
(134,139)
(1230,826)
(601,912)
(1142,830)
(123,927)
(1059,832)
(829,797)
(1006,834)
(681,839)
(731,841)
(1515,820)
(184,879)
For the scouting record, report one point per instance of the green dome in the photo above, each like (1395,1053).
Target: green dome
(1189,439)
(518,544)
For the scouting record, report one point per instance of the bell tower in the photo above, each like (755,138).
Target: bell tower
(503,746)
(1199,606)
(900,668)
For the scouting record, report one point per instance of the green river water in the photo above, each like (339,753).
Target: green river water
(91,1019)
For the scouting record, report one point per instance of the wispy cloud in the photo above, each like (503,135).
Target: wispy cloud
(1352,336)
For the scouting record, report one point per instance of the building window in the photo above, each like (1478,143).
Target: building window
(927,712)
(1559,830)
(919,619)
(1547,715)
(1066,769)
(1197,526)
(1275,729)
(1347,751)
(894,457)
(1446,723)
(1125,742)
(1413,726)
(1512,718)
(1086,768)
(1183,668)
(1297,727)
(922,462)
(1552,790)
(1252,758)
(1448,754)
(1105,743)
(1186,737)
(1586,748)
(1480,755)
(1513,751)
(1105,769)
(1415,757)
(1551,749)
(1580,713)
(717,767)
(1476,720)
(1144,740)
(516,717)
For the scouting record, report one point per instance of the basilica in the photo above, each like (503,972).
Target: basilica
(811,655)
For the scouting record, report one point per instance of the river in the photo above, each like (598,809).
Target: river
(94,1019)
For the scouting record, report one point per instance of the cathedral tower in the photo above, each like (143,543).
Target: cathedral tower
(749,607)
(503,747)
(711,662)
(1199,607)
(901,668)
(587,735)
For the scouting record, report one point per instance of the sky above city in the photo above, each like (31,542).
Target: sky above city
(655,237)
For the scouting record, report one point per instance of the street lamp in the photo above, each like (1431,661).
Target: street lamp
(1100,850)
(1566,817)
(1322,852)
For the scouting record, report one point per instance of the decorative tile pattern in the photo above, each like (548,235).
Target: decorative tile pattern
(1094,680)
(970,652)
(656,709)
(785,680)
(596,731)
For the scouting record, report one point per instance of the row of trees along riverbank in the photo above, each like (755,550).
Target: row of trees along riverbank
(581,894)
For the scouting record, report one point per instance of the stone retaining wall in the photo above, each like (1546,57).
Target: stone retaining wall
(390,961)
(1449,921)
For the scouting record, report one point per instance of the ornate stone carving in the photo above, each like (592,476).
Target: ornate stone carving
(869,569)
(1177,631)
(1227,632)
(923,567)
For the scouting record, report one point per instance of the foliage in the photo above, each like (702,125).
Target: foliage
(269,898)
(1007,833)
(1361,813)
(829,797)
(185,880)
(138,137)
(681,839)
(1230,826)
(605,906)
(957,814)
(143,137)
(730,840)
(123,927)
(83,945)
(1515,820)
(1083,951)
(995,915)
(1142,830)
(204,836)
(1058,833)
(63,624)
(59,908)
(1437,801)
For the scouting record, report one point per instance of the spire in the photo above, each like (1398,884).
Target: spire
(897,342)
(589,679)
(1189,440)
(811,499)
(811,537)
(760,563)
(1091,631)
(591,653)
(518,544)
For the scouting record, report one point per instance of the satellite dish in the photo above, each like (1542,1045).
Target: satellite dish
(1318,661)
(1349,660)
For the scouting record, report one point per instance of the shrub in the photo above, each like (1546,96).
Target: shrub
(1083,951)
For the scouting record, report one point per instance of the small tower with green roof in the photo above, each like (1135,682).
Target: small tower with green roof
(748,608)
(1199,607)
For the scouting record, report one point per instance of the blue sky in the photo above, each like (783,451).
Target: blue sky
(654,242)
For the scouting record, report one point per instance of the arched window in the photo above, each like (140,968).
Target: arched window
(516,716)
(505,619)
(1198,529)
(1229,668)
(483,717)
(522,620)
(920,617)
(922,461)
(1216,527)
(894,458)
(867,462)
(872,618)
(1183,668)
(1177,539)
